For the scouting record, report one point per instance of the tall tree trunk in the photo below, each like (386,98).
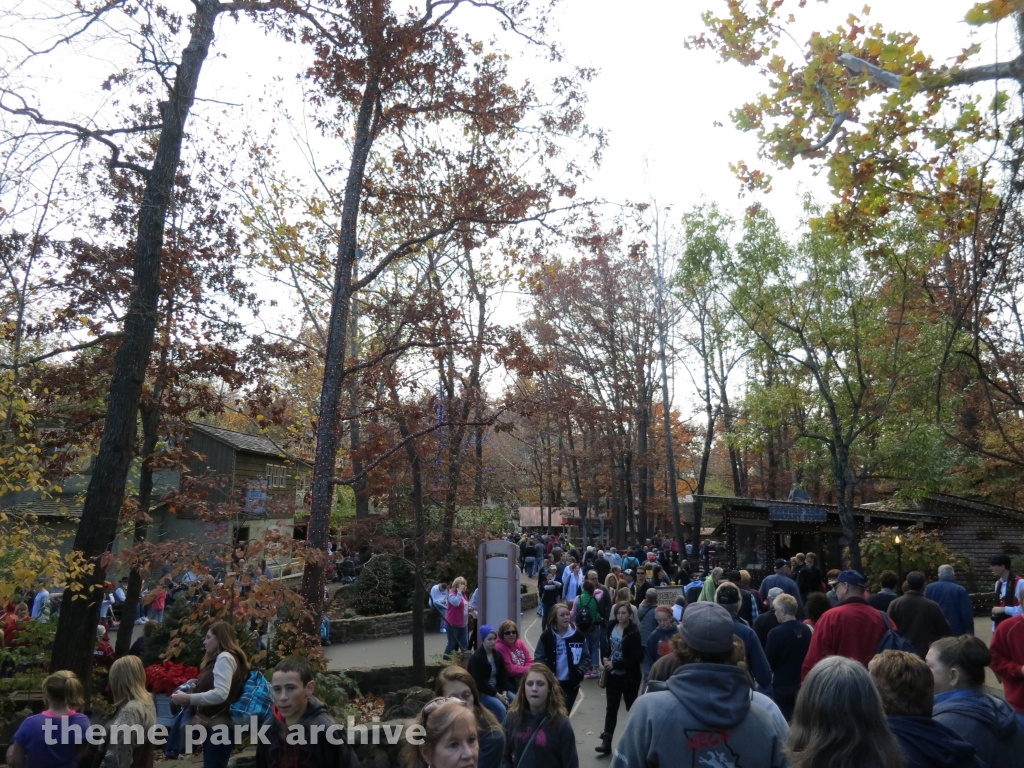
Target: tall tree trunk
(670,454)
(419,593)
(627,491)
(702,476)
(617,534)
(358,487)
(328,432)
(150,426)
(478,480)
(72,648)
(845,490)
(641,444)
(574,473)
(471,398)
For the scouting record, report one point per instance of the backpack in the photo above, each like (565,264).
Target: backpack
(584,614)
(631,562)
(893,640)
(257,700)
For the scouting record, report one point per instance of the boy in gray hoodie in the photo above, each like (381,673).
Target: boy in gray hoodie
(705,718)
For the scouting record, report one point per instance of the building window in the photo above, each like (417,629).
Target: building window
(299,533)
(302,490)
(277,476)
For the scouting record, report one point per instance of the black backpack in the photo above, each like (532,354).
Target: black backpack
(893,640)
(585,615)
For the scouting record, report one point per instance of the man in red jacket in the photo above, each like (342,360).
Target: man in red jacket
(1008,661)
(851,629)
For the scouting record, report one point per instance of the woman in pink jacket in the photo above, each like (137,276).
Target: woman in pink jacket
(515,652)
(456,617)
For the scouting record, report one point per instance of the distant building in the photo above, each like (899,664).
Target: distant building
(268,485)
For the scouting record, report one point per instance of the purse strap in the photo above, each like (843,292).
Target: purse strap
(532,737)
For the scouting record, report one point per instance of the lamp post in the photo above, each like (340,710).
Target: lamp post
(899,556)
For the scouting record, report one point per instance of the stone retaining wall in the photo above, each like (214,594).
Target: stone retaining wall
(394,624)
(378,681)
(375,627)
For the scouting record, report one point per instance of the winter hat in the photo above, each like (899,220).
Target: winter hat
(707,628)
(486,630)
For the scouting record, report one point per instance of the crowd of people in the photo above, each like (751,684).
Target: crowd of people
(807,669)
(810,668)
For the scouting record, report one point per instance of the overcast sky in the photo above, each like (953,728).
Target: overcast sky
(658,102)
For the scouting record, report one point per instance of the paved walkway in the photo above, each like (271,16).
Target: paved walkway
(587,715)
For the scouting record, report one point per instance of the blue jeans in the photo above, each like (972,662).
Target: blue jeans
(493,703)
(531,563)
(593,637)
(458,638)
(215,755)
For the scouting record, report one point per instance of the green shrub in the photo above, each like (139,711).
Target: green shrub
(182,620)
(921,551)
(385,585)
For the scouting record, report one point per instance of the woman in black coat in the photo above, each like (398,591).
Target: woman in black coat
(487,667)
(622,655)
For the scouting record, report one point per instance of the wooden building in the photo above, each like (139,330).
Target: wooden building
(757,531)
(252,471)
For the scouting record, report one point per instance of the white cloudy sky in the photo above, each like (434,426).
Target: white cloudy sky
(658,101)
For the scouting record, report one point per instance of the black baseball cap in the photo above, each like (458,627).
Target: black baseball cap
(781,563)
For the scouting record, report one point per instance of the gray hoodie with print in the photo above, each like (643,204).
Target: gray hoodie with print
(703,720)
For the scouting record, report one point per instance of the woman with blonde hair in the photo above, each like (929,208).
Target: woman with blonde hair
(456,681)
(224,672)
(449,736)
(839,722)
(537,727)
(135,709)
(456,617)
(63,696)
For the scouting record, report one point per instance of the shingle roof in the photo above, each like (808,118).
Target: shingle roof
(59,507)
(241,441)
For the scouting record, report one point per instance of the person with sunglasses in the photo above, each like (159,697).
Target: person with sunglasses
(516,653)
(455,681)
(449,738)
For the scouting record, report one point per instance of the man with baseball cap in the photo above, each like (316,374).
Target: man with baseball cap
(706,715)
(728,596)
(852,629)
(781,579)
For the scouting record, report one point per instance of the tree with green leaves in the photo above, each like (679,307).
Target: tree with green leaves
(899,135)
(854,346)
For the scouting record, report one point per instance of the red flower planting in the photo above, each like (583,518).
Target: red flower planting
(164,678)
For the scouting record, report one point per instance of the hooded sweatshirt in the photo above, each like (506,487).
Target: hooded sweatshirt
(278,753)
(929,744)
(564,654)
(990,724)
(704,718)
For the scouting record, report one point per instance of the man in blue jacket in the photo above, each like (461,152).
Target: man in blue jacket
(954,601)
(781,579)
(728,596)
